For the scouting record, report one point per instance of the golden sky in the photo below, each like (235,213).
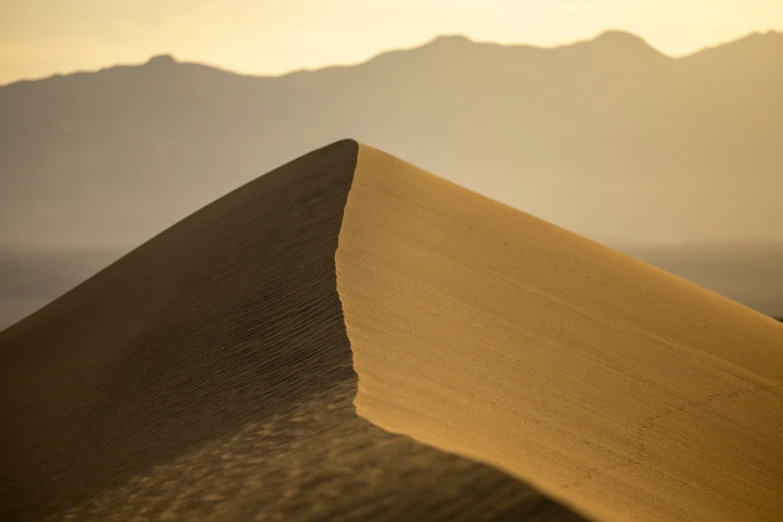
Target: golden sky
(41,37)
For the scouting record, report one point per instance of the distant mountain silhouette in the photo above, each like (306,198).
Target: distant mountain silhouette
(607,137)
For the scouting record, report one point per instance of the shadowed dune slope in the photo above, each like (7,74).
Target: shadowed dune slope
(617,388)
(207,375)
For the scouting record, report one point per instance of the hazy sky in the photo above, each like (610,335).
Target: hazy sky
(40,37)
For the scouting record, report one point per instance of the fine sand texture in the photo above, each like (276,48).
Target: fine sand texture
(623,391)
(207,375)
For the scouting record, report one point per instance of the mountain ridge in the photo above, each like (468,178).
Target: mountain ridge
(608,36)
(629,144)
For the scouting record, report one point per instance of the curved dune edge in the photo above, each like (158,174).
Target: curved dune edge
(622,391)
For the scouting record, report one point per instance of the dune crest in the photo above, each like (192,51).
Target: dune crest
(617,388)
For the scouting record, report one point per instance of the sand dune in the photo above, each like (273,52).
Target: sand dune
(207,376)
(212,372)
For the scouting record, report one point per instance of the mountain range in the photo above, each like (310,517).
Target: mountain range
(608,137)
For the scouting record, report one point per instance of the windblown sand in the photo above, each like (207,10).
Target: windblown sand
(623,391)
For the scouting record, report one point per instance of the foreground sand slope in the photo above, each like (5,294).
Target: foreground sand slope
(207,376)
(624,391)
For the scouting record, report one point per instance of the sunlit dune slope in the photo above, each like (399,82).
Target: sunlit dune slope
(207,375)
(613,386)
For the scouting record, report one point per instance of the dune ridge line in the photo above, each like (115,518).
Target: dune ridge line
(616,388)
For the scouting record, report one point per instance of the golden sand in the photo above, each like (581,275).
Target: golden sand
(617,388)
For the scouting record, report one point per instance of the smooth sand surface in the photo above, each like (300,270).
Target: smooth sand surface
(617,388)
(207,375)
